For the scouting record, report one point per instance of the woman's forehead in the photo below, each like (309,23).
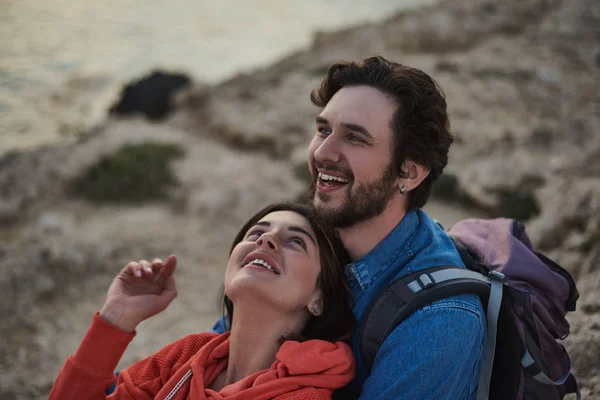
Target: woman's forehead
(288,218)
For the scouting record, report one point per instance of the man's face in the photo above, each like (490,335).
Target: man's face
(350,157)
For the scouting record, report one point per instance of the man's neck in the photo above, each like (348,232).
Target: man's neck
(360,239)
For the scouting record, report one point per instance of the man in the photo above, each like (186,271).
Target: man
(382,139)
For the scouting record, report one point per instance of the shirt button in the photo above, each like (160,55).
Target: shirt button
(351,271)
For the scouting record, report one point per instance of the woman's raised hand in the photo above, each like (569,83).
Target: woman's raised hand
(141,290)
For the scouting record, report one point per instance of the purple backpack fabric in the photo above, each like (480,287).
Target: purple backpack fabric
(540,293)
(527,296)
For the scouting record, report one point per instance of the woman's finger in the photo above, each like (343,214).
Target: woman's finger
(171,262)
(135,268)
(146,267)
(170,289)
(166,271)
(156,265)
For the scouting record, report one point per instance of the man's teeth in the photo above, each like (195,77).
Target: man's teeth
(261,262)
(326,177)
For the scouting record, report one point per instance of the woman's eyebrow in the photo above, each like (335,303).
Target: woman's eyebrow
(300,230)
(291,228)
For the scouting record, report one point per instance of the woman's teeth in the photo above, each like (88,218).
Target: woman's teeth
(262,263)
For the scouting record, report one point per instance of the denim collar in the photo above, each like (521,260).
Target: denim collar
(395,244)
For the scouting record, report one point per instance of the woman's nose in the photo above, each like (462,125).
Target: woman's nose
(268,241)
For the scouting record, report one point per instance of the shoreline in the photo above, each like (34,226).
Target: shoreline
(50,94)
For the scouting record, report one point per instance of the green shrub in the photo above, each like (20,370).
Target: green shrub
(135,173)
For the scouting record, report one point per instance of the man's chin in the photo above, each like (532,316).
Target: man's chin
(328,201)
(324,203)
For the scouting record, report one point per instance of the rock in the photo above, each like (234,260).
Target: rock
(548,74)
(51,223)
(152,95)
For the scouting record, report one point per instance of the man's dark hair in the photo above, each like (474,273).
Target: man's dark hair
(337,320)
(420,123)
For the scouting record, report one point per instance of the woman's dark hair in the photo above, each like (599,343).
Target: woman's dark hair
(420,124)
(336,321)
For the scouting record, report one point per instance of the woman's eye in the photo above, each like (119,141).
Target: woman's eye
(254,234)
(299,241)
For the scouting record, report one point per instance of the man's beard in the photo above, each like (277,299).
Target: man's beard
(367,201)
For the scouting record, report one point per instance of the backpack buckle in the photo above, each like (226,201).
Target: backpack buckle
(425,280)
(497,276)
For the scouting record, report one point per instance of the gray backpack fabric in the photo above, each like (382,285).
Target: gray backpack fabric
(526,294)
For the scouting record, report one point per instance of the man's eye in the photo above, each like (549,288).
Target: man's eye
(324,131)
(354,138)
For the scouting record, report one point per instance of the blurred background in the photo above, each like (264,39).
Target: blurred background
(135,129)
(47,47)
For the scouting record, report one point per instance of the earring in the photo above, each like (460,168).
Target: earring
(402,189)
(314,311)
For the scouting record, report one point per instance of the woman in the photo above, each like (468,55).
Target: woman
(292,310)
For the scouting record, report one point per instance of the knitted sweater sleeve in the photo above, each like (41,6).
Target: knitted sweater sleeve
(90,371)
(307,393)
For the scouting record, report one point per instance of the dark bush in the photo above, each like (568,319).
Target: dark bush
(135,173)
(590,243)
(520,205)
(446,188)
(301,172)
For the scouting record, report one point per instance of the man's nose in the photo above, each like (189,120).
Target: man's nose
(328,150)
(266,240)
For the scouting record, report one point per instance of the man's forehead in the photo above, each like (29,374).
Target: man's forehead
(360,105)
(359,100)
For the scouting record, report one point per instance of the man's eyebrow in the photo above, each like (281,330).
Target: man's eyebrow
(298,229)
(358,128)
(321,120)
(352,127)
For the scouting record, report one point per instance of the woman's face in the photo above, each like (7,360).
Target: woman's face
(277,262)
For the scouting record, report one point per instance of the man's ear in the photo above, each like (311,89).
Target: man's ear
(315,307)
(414,174)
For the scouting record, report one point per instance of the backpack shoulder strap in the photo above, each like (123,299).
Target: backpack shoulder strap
(409,293)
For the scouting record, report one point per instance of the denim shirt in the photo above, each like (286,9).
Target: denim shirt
(436,352)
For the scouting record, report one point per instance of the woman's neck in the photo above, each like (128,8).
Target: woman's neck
(255,339)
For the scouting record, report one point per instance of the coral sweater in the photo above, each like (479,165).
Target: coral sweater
(310,370)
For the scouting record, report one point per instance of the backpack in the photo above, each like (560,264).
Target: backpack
(526,294)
